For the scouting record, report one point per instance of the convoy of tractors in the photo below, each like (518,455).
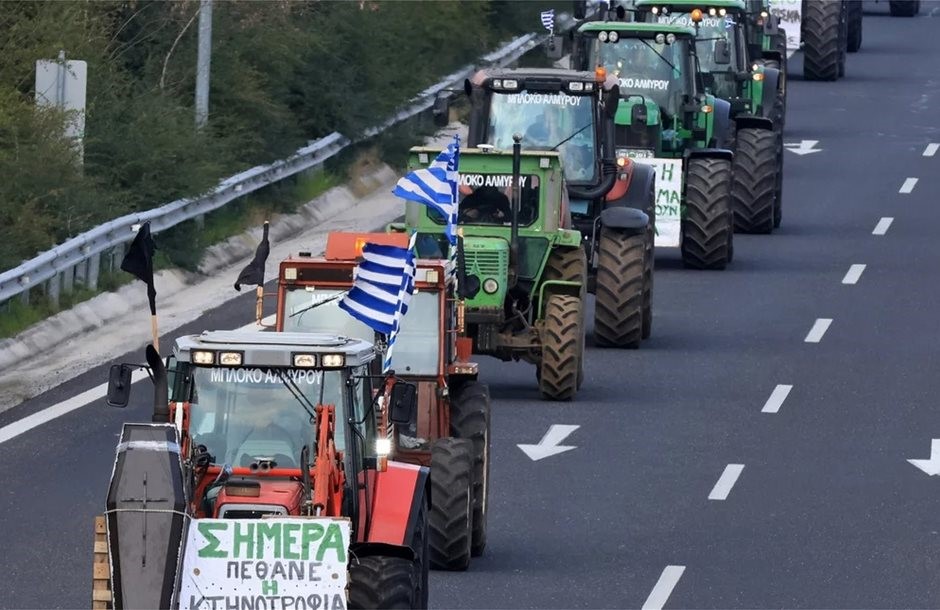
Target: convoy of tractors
(293,469)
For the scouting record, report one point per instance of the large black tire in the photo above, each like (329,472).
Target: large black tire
(755,180)
(855,26)
(470,419)
(904,8)
(707,225)
(569,265)
(822,39)
(780,45)
(648,265)
(420,543)
(562,347)
(450,523)
(618,305)
(382,582)
(778,193)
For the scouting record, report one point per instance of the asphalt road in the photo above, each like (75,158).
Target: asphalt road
(826,511)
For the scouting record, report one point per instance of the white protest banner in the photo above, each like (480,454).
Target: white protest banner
(265,564)
(789,17)
(668,199)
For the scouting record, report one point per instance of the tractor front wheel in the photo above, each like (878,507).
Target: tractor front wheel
(569,265)
(822,38)
(383,582)
(707,231)
(451,519)
(855,27)
(755,180)
(470,419)
(562,347)
(618,305)
(648,265)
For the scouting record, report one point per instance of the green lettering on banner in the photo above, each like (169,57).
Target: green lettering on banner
(212,548)
(667,172)
(310,533)
(289,539)
(269,587)
(269,532)
(333,540)
(246,538)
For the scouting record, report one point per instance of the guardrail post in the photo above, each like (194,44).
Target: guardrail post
(92,266)
(53,289)
(68,280)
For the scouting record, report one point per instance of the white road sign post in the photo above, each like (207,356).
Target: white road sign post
(63,84)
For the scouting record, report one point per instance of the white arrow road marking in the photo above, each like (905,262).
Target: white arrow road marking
(803,147)
(776,399)
(931,149)
(549,446)
(664,586)
(819,329)
(930,466)
(80,400)
(882,227)
(908,186)
(852,275)
(726,481)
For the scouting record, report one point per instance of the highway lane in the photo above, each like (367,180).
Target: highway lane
(826,512)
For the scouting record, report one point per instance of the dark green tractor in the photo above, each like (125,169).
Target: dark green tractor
(523,271)
(668,120)
(821,30)
(755,93)
(611,205)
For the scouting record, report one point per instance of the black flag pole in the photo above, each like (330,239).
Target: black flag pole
(139,262)
(253,273)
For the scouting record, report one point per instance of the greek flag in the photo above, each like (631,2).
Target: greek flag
(382,287)
(436,186)
(729,23)
(548,20)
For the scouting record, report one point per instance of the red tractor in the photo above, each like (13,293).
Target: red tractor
(278,439)
(450,428)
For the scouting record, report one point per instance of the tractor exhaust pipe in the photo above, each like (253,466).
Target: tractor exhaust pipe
(516,204)
(161,394)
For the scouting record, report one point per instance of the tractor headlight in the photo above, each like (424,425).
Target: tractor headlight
(510,83)
(660,38)
(305,360)
(200,356)
(722,12)
(576,86)
(670,38)
(230,358)
(290,274)
(490,286)
(602,36)
(712,11)
(333,360)
(383,446)
(614,36)
(655,10)
(758,76)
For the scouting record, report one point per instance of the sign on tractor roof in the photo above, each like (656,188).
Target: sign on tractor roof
(689,5)
(638,30)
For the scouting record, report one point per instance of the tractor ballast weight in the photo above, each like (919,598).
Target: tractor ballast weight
(573,112)
(267,433)
(666,119)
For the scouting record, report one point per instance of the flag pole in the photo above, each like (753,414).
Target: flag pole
(156,333)
(259,304)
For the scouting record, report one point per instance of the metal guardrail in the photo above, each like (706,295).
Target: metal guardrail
(80,257)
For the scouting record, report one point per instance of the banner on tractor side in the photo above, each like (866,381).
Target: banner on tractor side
(789,16)
(265,564)
(668,198)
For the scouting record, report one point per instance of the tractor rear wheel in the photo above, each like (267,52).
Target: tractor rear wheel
(451,519)
(755,180)
(707,225)
(855,27)
(562,347)
(470,419)
(569,265)
(778,192)
(618,304)
(904,8)
(822,38)
(780,45)
(377,581)
(648,265)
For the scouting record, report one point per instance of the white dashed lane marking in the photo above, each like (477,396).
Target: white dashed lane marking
(819,329)
(882,227)
(776,399)
(726,481)
(908,186)
(664,586)
(852,275)
(931,149)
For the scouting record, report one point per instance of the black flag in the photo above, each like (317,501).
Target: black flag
(139,262)
(254,272)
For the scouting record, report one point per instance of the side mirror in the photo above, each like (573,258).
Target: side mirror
(119,385)
(771,25)
(441,110)
(403,401)
(722,53)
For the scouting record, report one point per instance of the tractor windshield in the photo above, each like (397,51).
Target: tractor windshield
(546,120)
(658,71)
(719,78)
(241,414)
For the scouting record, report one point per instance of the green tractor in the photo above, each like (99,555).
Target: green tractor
(755,93)
(666,119)
(611,205)
(821,30)
(767,42)
(521,265)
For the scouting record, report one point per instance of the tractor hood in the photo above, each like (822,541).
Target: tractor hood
(255,498)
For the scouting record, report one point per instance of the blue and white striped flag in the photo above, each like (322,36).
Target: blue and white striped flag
(436,186)
(729,23)
(382,287)
(548,20)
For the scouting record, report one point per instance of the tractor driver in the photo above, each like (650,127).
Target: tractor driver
(485,205)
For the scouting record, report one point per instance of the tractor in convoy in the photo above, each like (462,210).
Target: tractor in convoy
(611,200)
(755,93)
(524,265)
(821,30)
(449,430)
(264,475)
(668,120)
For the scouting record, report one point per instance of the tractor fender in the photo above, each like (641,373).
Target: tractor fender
(772,89)
(709,153)
(642,182)
(721,135)
(399,492)
(772,55)
(750,121)
(625,219)
(382,549)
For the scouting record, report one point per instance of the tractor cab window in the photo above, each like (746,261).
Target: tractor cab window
(719,79)
(243,414)
(485,199)
(644,67)
(316,309)
(547,120)
(417,346)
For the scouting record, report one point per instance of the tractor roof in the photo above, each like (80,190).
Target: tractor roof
(639,30)
(269,349)
(687,5)
(523,74)
(479,152)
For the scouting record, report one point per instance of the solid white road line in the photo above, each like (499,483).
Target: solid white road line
(776,399)
(663,589)
(931,149)
(882,227)
(725,482)
(852,275)
(908,186)
(818,330)
(80,400)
